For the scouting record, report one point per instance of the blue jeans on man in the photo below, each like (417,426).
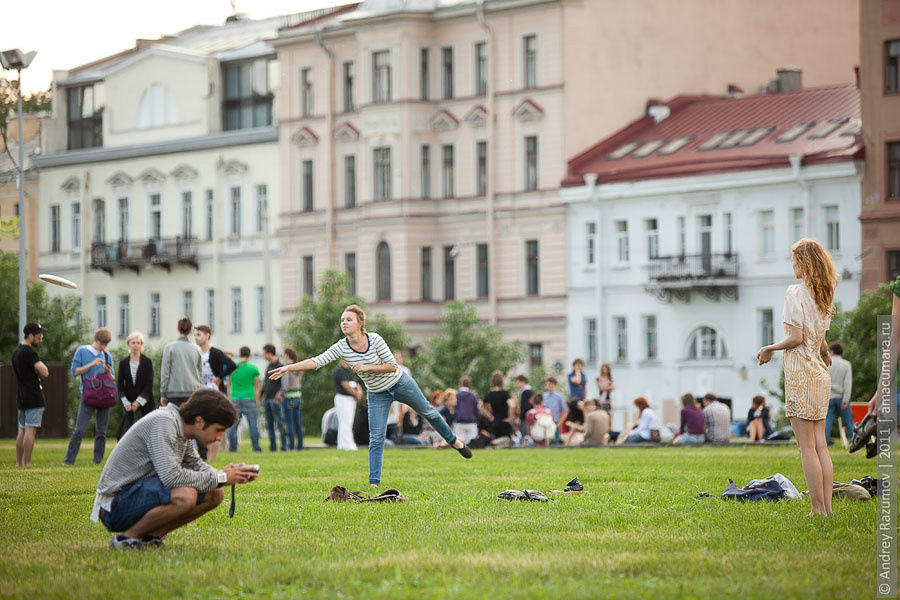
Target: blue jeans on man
(293,411)
(135,500)
(245,407)
(379,406)
(275,422)
(85,413)
(834,408)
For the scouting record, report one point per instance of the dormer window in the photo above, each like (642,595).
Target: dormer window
(248,93)
(85,117)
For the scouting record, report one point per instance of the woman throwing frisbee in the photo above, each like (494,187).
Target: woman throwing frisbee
(369,356)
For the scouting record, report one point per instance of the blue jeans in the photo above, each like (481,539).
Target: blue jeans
(246,407)
(293,410)
(85,413)
(690,438)
(135,500)
(407,392)
(275,422)
(834,408)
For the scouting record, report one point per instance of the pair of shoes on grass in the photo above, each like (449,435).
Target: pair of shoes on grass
(123,542)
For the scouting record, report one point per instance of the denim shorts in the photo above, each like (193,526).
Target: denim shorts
(134,501)
(30,417)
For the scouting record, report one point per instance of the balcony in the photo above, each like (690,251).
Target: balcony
(138,255)
(715,275)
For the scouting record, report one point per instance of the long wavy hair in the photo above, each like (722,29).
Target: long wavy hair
(817,272)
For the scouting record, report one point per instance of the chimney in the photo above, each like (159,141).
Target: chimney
(734,91)
(657,109)
(790,79)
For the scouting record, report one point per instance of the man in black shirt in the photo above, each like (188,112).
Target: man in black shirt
(30,397)
(271,393)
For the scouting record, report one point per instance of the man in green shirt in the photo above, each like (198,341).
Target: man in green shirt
(244,386)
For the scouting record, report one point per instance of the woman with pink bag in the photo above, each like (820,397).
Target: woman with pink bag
(98,393)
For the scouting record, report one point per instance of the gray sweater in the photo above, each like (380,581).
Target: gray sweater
(182,363)
(154,446)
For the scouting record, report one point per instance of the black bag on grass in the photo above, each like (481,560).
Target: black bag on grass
(769,491)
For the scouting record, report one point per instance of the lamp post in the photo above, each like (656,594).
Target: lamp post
(16,59)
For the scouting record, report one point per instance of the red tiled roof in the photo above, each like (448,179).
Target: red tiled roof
(701,118)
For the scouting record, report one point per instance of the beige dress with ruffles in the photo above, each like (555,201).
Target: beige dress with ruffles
(807,382)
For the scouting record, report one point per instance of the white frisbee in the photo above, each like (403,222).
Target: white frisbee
(56,280)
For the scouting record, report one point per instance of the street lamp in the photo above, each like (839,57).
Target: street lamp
(16,59)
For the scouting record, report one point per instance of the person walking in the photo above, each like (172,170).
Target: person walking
(369,356)
(30,401)
(346,394)
(88,363)
(135,382)
(808,307)
(182,364)
(244,386)
(293,402)
(215,366)
(271,391)
(841,372)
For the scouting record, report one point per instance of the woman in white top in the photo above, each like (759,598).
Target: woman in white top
(643,430)
(808,307)
(369,356)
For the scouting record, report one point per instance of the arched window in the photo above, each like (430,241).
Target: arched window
(706,344)
(383,271)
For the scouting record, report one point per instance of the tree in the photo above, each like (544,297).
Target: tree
(464,345)
(315,326)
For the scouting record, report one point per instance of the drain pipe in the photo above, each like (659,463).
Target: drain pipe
(329,128)
(491,150)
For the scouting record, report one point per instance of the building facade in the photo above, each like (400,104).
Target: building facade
(429,171)
(680,229)
(879,80)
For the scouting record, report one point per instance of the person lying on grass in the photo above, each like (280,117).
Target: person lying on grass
(154,482)
(369,356)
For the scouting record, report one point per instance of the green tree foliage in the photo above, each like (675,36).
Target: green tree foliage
(315,326)
(464,345)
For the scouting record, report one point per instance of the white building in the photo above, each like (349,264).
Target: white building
(158,166)
(680,228)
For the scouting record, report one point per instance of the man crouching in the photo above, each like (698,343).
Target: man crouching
(154,482)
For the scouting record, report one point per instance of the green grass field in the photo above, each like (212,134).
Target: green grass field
(638,532)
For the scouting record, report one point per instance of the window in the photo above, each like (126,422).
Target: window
(652,226)
(729,232)
(797,224)
(482,269)
(447,178)
(590,341)
(704,228)
(209,217)
(705,344)
(211,307)
(383,271)
(532,268)
(99,220)
(447,73)
(382,173)
(381,76)
(124,316)
(536,355)
(248,93)
(682,236)
(766,327)
(892,66)
(155,217)
(481,168)
(76,227)
(307,185)
(235,229)
(424,91)
(832,229)
(101,311)
(262,205)
(767,233)
(308,276)
(622,252)
(187,214)
(481,69)
(349,74)
(54,228)
(349,181)
(85,118)
(237,311)
(892,259)
(650,337)
(425,283)
(591,242)
(187,303)
(426,171)
(350,267)
(531,158)
(153,328)
(893,171)
(306,92)
(450,272)
(620,326)
(529,44)
(260,309)
(123,220)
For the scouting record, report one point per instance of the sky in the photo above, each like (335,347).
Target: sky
(69,33)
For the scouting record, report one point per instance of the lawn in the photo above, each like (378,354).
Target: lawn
(638,532)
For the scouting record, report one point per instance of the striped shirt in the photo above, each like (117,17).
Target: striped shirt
(717,418)
(154,446)
(377,353)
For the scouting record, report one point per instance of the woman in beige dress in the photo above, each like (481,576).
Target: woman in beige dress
(808,307)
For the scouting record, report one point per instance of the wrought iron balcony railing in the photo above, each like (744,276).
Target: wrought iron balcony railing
(714,274)
(136,255)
